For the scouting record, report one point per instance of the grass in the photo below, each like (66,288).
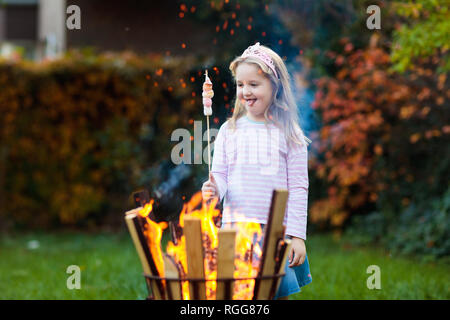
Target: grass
(339,271)
(110,269)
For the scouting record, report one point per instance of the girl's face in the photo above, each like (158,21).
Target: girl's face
(254,90)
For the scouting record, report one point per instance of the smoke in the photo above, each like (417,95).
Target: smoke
(168,195)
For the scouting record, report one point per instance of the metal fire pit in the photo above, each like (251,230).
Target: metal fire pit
(228,290)
(273,258)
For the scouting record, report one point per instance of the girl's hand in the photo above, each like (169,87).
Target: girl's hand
(210,189)
(297,254)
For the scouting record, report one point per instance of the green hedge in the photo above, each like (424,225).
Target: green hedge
(79,134)
(422,229)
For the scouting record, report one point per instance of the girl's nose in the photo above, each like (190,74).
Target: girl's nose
(246,91)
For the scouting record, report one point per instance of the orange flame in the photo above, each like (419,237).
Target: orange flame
(248,251)
(247,260)
(207,215)
(248,254)
(153,234)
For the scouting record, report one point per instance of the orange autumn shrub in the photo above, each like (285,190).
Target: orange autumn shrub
(79,134)
(383,138)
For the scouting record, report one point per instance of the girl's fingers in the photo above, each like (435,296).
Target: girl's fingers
(295,259)
(298,260)
(209,188)
(208,192)
(302,260)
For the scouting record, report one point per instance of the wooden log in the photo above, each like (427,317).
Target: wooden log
(141,245)
(141,198)
(173,287)
(133,211)
(194,257)
(274,233)
(141,220)
(225,263)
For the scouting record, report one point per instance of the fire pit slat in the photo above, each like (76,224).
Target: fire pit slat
(281,264)
(195,256)
(173,287)
(225,263)
(143,251)
(273,234)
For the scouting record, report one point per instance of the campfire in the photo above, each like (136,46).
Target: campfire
(203,261)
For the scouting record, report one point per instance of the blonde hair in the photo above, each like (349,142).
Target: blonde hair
(283,110)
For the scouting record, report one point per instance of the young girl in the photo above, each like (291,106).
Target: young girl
(262,148)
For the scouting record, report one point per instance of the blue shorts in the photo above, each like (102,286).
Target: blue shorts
(295,278)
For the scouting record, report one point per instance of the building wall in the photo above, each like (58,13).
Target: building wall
(138,25)
(2,24)
(19,22)
(18,28)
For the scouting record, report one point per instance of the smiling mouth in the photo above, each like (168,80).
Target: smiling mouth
(250,102)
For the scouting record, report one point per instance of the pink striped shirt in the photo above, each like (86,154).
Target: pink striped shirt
(252,161)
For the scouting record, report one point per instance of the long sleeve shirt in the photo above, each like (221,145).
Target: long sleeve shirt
(249,163)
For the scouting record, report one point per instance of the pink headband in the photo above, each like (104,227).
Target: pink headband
(255,51)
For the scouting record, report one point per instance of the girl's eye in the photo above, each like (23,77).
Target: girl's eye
(253,85)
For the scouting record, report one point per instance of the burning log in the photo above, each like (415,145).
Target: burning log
(141,198)
(225,263)
(172,273)
(140,242)
(274,236)
(195,255)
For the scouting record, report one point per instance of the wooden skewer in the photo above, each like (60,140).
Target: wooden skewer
(225,263)
(209,148)
(195,256)
(209,138)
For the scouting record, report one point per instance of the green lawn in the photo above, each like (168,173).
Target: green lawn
(110,269)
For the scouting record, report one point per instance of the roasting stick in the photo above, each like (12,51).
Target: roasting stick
(207,95)
(209,148)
